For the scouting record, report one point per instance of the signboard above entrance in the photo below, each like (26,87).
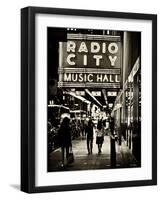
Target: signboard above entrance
(91,51)
(90,60)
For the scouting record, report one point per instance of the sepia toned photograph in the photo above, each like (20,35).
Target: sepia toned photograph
(88,99)
(94,99)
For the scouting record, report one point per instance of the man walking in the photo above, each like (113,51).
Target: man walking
(89,132)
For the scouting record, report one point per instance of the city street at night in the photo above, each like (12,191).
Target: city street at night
(94,93)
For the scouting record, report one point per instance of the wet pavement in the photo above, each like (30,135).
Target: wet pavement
(83,161)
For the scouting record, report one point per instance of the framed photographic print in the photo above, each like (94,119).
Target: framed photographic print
(88,99)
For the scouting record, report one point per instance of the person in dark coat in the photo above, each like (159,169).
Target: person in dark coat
(112,125)
(89,132)
(112,141)
(65,138)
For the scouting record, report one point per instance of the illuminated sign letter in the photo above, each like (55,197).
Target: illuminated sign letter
(74,77)
(95,47)
(69,61)
(71,46)
(103,47)
(111,80)
(113,48)
(67,77)
(97,57)
(83,47)
(116,78)
(105,79)
(85,60)
(112,60)
(80,77)
(99,77)
(90,76)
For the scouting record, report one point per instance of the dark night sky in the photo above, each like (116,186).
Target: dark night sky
(55,35)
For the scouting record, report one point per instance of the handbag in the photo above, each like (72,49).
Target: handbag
(71,157)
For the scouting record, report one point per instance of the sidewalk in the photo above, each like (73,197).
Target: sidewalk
(83,161)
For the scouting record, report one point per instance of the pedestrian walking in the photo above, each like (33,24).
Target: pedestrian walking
(89,132)
(65,139)
(112,125)
(85,126)
(112,141)
(99,136)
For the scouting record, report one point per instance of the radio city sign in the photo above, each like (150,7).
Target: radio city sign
(85,53)
(90,60)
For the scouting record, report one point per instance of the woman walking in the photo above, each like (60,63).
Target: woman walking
(65,139)
(99,136)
